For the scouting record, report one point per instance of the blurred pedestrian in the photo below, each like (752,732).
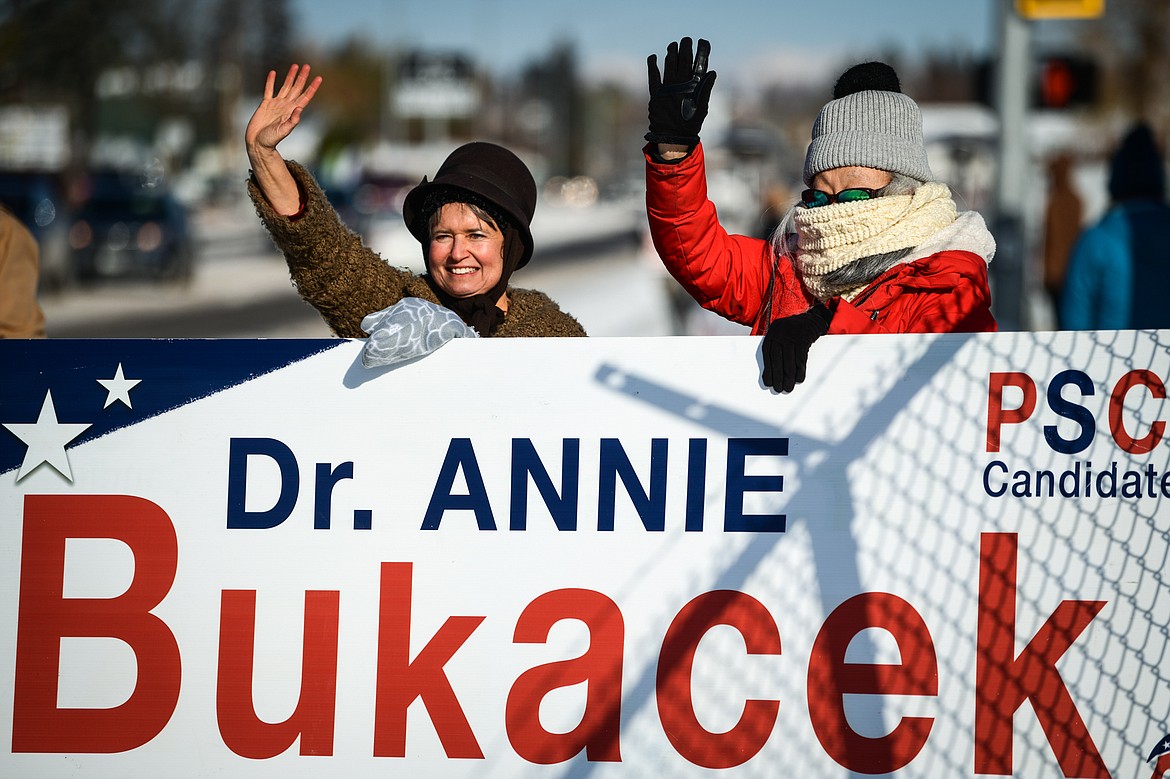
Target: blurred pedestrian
(1062,224)
(875,245)
(1119,270)
(472,221)
(20,312)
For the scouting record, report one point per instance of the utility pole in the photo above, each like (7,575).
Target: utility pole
(1008,271)
(1010,277)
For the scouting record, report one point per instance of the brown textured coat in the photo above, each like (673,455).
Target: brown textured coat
(344,280)
(20,313)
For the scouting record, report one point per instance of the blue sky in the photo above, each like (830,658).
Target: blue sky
(613,37)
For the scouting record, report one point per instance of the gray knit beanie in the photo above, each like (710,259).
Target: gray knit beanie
(869,123)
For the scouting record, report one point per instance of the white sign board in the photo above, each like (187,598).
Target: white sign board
(940,556)
(436,86)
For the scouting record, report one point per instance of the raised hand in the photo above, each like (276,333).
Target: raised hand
(280,112)
(679,97)
(274,119)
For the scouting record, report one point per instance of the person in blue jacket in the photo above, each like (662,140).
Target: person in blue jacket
(1119,272)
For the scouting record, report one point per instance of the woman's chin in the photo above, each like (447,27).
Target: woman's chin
(459,290)
(462,286)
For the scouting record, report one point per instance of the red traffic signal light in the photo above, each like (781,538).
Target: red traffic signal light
(1065,82)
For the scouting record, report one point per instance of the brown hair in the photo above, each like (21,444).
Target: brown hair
(479,211)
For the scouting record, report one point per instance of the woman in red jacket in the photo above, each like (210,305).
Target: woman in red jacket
(876,245)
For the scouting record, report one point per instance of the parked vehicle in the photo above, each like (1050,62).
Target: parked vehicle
(37,199)
(128,226)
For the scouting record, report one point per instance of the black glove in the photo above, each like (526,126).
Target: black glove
(678,100)
(786,346)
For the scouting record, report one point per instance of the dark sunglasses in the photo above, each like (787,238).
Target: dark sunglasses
(814,198)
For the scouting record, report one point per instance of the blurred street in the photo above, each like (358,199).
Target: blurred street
(589,260)
(121,142)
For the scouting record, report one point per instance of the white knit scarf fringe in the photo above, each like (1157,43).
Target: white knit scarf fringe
(832,236)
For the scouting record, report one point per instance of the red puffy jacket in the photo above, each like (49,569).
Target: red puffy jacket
(740,278)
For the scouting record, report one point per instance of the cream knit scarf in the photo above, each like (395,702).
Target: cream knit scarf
(833,236)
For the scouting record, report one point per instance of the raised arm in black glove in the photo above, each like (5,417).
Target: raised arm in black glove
(679,97)
(786,346)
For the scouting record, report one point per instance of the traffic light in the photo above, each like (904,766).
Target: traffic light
(1055,82)
(1065,81)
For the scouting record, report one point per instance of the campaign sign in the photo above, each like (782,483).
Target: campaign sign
(940,556)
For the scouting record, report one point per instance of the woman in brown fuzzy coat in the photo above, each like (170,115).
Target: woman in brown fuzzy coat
(472,221)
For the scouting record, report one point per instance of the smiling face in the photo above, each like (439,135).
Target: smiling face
(466,255)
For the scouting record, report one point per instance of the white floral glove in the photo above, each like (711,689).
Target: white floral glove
(410,328)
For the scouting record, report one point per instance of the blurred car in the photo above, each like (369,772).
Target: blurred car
(374,210)
(37,199)
(127,226)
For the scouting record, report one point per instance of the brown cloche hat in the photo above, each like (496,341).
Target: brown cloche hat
(488,171)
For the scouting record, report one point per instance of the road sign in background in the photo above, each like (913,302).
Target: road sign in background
(1060,9)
